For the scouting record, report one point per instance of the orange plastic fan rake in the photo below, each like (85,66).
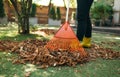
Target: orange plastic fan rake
(65,38)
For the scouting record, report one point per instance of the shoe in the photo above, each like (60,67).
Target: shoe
(86,42)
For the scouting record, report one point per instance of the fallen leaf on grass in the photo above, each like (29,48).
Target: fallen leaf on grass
(27,74)
(49,31)
(106,53)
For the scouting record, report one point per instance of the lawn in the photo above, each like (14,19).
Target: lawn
(95,68)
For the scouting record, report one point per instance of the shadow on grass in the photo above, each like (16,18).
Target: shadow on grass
(98,68)
(21,37)
(7,68)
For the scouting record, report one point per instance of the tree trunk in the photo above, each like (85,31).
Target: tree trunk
(22,15)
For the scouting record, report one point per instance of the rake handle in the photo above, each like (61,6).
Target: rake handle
(68,3)
(66,20)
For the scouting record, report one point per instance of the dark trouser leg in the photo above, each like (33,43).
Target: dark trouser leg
(88,32)
(84,25)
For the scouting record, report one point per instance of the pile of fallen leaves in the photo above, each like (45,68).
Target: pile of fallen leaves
(7,45)
(33,51)
(105,53)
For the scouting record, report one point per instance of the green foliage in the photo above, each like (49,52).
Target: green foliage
(74,15)
(33,28)
(58,13)
(52,13)
(101,10)
(33,10)
(55,13)
(73,3)
(2,13)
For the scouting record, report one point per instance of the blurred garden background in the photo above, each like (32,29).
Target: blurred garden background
(52,12)
(27,25)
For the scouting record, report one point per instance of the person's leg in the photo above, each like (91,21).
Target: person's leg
(88,33)
(86,42)
(82,12)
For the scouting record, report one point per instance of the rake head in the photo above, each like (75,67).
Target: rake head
(65,39)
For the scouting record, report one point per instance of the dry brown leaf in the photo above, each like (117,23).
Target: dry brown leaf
(27,74)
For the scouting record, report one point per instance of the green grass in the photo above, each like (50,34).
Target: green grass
(107,40)
(11,33)
(7,69)
(97,68)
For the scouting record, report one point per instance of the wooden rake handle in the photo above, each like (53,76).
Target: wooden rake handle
(67,12)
